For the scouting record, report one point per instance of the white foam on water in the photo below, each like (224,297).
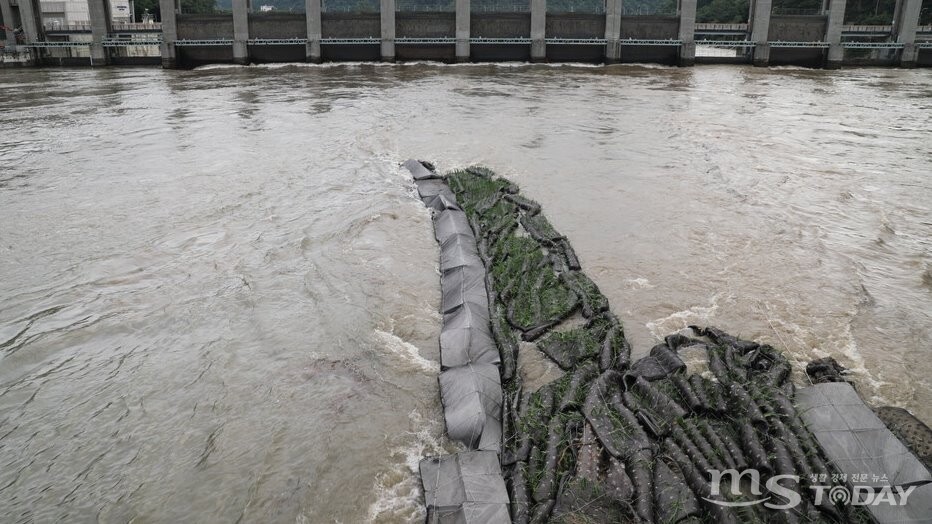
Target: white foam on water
(415,63)
(638,283)
(696,315)
(398,494)
(840,344)
(211,67)
(409,355)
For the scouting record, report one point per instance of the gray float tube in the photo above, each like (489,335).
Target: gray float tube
(463,487)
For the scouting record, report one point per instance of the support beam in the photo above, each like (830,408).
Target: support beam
(613,10)
(463,15)
(241,31)
(687,12)
(388,30)
(538,30)
(169,11)
(101,27)
(312,10)
(836,18)
(904,27)
(760,30)
(6,12)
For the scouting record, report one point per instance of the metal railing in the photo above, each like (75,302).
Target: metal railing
(792,11)
(500,6)
(730,44)
(720,27)
(350,6)
(589,7)
(153,27)
(435,6)
(656,10)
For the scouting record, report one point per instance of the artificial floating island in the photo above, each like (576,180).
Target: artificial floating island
(614,440)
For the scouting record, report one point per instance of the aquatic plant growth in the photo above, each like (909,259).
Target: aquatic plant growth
(611,440)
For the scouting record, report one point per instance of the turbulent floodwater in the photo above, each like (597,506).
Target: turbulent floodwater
(218,293)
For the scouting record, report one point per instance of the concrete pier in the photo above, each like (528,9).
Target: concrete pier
(760,30)
(314,31)
(30,17)
(687,12)
(169,10)
(241,31)
(613,10)
(463,16)
(904,27)
(833,26)
(6,12)
(101,27)
(388,30)
(538,30)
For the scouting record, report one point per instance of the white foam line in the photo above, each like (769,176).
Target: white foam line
(408,352)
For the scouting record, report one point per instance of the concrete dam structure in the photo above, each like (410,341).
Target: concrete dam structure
(459,32)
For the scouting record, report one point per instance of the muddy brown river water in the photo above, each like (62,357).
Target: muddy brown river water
(218,294)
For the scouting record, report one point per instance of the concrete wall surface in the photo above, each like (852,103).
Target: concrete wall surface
(501,25)
(277,25)
(205,27)
(575,25)
(347,25)
(425,25)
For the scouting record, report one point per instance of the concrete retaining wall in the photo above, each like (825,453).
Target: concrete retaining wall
(197,56)
(500,25)
(205,27)
(348,25)
(425,25)
(575,25)
(277,25)
(650,28)
(784,28)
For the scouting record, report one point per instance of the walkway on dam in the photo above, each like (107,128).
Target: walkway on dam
(463,33)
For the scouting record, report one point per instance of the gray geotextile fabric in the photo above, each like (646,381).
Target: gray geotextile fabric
(428,189)
(466,337)
(472,405)
(460,250)
(461,285)
(857,442)
(449,223)
(419,171)
(465,488)
(441,202)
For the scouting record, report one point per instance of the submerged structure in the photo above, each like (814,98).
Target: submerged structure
(616,440)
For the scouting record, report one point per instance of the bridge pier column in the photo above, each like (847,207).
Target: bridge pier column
(6,12)
(30,15)
(836,17)
(538,30)
(463,15)
(613,9)
(241,31)
(904,27)
(388,30)
(687,9)
(99,13)
(169,10)
(760,30)
(312,10)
